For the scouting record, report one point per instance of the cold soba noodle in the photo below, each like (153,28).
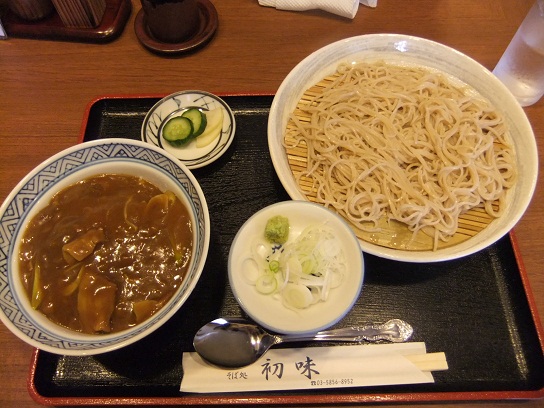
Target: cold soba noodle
(106,253)
(389,144)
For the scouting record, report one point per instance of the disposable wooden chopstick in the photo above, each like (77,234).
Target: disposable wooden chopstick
(64,13)
(93,9)
(98,7)
(80,13)
(71,10)
(429,361)
(82,17)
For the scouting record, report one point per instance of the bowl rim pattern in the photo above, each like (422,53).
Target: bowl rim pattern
(29,191)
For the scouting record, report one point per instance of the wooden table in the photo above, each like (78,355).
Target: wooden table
(45,87)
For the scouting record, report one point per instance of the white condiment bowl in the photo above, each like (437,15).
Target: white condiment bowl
(269,311)
(403,49)
(119,156)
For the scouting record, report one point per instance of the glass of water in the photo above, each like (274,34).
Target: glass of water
(521,67)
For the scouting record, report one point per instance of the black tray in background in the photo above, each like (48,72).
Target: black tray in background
(51,27)
(477,309)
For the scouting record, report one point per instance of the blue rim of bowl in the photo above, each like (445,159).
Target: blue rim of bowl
(29,191)
(190,155)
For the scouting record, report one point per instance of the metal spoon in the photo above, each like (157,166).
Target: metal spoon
(234,342)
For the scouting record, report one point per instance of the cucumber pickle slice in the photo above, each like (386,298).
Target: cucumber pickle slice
(182,129)
(198,118)
(178,131)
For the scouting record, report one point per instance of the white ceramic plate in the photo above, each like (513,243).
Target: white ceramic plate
(402,49)
(35,191)
(174,105)
(269,312)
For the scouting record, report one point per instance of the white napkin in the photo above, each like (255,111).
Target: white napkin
(344,8)
(3,35)
(317,367)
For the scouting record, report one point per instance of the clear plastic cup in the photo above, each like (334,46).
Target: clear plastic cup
(521,67)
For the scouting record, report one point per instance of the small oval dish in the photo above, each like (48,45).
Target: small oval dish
(175,105)
(271,310)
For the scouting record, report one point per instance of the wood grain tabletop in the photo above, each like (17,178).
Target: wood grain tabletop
(46,85)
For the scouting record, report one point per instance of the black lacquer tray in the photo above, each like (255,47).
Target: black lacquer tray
(478,309)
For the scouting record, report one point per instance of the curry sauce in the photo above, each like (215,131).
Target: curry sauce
(106,253)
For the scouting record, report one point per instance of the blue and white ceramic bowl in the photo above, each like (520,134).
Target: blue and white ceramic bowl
(34,192)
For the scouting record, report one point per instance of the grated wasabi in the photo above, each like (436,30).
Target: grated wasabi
(277,229)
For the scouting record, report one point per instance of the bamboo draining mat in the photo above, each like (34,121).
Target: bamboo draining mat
(392,234)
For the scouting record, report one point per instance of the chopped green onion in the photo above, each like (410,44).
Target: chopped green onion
(266,284)
(274,266)
(303,271)
(309,265)
(37,290)
(298,296)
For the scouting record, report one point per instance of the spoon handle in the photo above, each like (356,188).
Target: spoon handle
(395,331)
